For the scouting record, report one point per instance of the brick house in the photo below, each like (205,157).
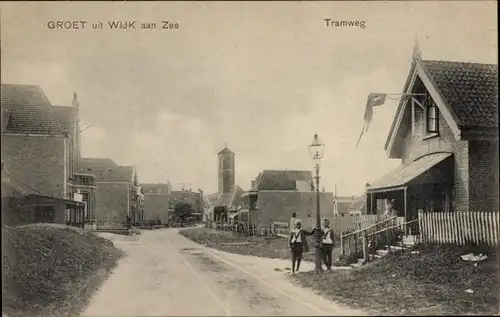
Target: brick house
(157,202)
(280,194)
(341,205)
(36,149)
(447,139)
(116,193)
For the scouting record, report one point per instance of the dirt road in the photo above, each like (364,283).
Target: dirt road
(166,274)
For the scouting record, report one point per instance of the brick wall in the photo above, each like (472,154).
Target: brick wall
(280,205)
(156,207)
(112,202)
(460,193)
(483,176)
(36,161)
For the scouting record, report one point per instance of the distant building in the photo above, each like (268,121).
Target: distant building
(116,193)
(281,193)
(157,202)
(358,207)
(188,196)
(227,199)
(341,205)
(226,172)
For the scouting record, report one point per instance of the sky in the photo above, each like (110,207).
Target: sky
(262,77)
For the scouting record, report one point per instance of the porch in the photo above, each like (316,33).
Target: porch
(424,185)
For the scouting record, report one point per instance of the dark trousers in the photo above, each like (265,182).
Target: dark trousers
(297,249)
(326,250)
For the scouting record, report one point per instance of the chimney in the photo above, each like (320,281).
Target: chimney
(253,184)
(75,102)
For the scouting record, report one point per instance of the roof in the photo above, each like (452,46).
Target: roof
(226,151)
(66,117)
(282,180)
(150,188)
(407,172)
(343,207)
(358,204)
(94,162)
(29,110)
(231,199)
(106,170)
(470,90)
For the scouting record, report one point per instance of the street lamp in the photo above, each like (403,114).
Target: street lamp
(316,150)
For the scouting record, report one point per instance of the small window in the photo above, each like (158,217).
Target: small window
(418,118)
(134,196)
(432,116)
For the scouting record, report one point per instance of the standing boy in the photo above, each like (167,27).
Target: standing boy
(327,244)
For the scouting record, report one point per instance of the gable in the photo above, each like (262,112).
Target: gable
(418,75)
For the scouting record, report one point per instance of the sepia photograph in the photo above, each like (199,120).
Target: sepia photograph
(249,158)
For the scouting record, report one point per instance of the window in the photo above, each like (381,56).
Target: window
(85,196)
(425,117)
(432,115)
(134,195)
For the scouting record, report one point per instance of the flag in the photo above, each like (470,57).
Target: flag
(373,100)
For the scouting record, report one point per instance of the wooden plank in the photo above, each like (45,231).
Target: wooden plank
(460,230)
(439,227)
(495,227)
(474,227)
(484,230)
(430,221)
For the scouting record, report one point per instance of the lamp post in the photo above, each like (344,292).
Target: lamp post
(316,150)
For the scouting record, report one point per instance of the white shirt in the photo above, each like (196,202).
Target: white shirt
(297,236)
(327,239)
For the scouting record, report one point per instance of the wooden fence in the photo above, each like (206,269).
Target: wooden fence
(459,227)
(340,225)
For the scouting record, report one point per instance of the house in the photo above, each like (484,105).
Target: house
(341,205)
(446,135)
(281,193)
(116,193)
(188,196)
(156,202)
(36,152)
(358,207)
(35,147)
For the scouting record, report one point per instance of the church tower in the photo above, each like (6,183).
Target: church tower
(226,170)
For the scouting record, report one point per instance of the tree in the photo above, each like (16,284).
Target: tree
(182,210)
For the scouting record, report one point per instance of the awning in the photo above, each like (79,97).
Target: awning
(403,174)
(51,200)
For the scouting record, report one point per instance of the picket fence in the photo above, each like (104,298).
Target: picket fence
(341,225)
(459,227)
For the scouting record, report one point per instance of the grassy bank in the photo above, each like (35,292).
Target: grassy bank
(433,282)
(51,270)
(269,247)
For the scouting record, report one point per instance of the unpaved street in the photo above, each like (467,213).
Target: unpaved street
(167,274)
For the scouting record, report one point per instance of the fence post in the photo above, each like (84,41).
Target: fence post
(365,247)
(342,243)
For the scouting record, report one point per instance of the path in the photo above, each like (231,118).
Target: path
(166,274)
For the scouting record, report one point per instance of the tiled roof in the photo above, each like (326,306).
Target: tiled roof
(30,110)
(95,162)
(343,207)
(105,170)
(470,90)
(66,117)
(226,151)
(282,180)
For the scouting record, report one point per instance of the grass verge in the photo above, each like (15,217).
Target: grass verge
(434,282)
(51,270)
(267,247)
